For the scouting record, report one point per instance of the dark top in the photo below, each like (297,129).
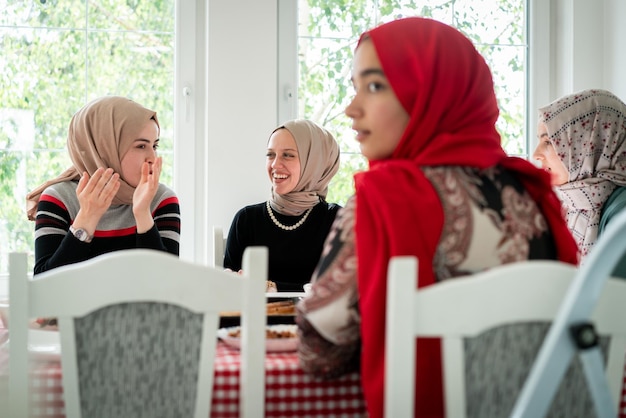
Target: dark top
(614,205)
(293,255)
(55,246)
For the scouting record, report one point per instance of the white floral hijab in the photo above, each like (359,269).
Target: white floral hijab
(588,132)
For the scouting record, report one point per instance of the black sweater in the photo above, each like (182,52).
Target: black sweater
(293,255)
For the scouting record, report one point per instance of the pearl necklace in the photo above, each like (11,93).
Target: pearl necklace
(285,227)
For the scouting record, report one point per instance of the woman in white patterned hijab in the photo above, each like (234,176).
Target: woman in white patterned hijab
(582,142)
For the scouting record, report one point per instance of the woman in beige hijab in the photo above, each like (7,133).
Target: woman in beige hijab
(111,198)
(302,158)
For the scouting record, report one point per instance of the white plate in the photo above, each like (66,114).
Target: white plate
(271,344)
(44,345)
(273,295)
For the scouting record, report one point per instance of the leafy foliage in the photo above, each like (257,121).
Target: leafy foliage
(329,30)
(58,55)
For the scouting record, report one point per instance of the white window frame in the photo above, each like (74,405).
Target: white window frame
(537,76)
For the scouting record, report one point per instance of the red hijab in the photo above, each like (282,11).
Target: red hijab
(446,87)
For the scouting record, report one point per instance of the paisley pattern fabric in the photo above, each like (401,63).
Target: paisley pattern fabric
(492,201)
(497,361)
(156,376)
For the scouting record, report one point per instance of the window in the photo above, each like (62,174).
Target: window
(327,34)
(57,55)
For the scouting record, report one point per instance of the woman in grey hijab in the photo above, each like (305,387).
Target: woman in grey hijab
(302,158)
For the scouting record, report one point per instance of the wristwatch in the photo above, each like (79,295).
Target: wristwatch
(80,234)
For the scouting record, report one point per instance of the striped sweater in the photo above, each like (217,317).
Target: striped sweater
(55,246)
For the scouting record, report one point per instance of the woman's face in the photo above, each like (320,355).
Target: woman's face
(143,149)
(283,161)
(550,161)
(377,115)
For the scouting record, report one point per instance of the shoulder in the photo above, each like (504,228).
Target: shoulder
(164,192)
(329,207)
(165,200)
(614,204)
(62,189)
(250,210)
(62,194)
(257,207)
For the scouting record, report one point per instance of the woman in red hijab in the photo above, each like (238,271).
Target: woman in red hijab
(424,113)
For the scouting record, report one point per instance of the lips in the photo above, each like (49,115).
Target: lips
(361,135)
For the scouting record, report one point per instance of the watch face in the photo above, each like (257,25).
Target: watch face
(80,234)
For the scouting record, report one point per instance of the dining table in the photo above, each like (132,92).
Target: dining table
(289,392)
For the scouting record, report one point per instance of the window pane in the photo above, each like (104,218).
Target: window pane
(57,55)
(328,31)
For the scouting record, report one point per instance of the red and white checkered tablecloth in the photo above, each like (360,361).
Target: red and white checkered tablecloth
(288,393)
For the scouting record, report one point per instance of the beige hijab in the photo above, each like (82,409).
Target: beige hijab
(99,135)
(588,132)
(319,162)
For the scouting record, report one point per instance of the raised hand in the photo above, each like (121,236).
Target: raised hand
(95,194)
(144,194)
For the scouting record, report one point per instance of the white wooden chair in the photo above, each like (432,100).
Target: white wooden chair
(575,330)
(219,246)
(138,332)
(460,308)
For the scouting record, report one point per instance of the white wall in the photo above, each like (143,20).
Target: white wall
(615,50)
(587,47)
(233,111)
(575,45)
(242,97)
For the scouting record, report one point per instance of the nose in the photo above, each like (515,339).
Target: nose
(353,109)
(538,155)
(277,161)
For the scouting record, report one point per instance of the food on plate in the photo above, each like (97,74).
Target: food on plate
(46,322)
(270,333)
(283,307)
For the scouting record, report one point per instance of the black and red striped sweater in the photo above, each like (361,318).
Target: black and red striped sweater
(55,246)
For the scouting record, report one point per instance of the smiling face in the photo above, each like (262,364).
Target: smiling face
(143,149)
(550,161)
(377,115)
(283,161)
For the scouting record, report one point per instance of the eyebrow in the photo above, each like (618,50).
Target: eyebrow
(146,140)
(285,149)
(370,71)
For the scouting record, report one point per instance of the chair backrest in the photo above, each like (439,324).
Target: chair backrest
(219,246)
(586,294)
(138,331)
(460,309)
